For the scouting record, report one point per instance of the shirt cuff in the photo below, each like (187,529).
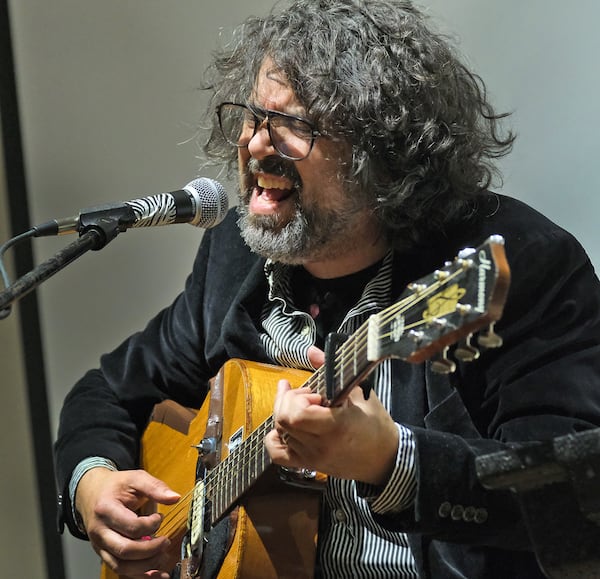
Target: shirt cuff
(85,465)
(399,492)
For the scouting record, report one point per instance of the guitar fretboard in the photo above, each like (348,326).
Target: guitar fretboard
(249,460)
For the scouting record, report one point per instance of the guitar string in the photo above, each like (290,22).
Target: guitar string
(354,346)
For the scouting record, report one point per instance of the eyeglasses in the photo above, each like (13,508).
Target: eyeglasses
(292,137)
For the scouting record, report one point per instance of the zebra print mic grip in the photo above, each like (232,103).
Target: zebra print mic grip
(202,202)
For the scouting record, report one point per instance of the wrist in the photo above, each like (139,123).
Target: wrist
(81,470)
(381,473)
(400,487)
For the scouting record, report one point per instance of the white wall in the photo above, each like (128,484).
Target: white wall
(20,533)
(109,103)
(540,60)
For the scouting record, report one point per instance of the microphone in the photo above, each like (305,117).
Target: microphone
(202,202)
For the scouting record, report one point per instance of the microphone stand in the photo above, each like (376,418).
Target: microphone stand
(92,236)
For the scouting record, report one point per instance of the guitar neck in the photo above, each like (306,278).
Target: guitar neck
(249,460)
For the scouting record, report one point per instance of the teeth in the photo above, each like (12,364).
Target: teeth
(272,182)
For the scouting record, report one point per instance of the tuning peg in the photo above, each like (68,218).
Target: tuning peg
(465,351)
(416,336)
(442,364)
(466,252)
(438,324)
(464,309)
(490,339)
(417,288)
(464,259)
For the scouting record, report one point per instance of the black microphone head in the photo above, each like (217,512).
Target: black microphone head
(211,201)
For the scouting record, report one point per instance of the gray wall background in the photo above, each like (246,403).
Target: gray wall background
(109,104)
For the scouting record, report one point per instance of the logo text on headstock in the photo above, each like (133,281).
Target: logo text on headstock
(485,265)
(443,303)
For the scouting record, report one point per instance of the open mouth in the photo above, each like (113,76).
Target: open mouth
(272,195)
(273,188)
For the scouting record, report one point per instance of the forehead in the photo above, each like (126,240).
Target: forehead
(273,91)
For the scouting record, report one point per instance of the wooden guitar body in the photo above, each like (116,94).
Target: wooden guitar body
(275,523)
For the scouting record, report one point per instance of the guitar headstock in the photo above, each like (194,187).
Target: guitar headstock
(445,307)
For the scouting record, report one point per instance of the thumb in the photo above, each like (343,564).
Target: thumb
(156,489)
(316,357)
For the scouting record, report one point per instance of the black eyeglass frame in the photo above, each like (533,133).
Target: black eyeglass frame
(260,115)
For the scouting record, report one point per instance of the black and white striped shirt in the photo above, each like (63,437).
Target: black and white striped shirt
(352,544)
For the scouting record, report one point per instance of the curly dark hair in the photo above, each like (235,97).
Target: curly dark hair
(424,136)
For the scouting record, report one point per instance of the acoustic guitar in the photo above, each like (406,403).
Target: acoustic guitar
(215,457)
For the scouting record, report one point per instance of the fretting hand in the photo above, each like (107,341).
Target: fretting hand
(357,440)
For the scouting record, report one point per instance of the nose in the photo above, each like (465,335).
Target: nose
(260,145)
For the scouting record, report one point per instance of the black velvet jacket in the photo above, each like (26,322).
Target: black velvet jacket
(544,382)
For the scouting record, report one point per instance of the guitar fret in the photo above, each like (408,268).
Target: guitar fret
(236,473)
(351,352)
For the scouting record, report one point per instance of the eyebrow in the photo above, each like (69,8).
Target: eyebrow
(258,109)
(275,74)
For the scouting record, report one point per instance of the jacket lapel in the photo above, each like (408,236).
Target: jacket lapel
(240,332)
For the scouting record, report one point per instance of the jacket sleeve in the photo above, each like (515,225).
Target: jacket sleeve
(544,382)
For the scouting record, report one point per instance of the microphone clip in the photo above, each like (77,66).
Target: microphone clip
(107,221)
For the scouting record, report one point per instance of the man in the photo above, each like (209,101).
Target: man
(365,150)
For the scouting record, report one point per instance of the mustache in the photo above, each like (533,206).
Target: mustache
(274,166)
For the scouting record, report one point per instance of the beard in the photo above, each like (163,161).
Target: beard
(309,234)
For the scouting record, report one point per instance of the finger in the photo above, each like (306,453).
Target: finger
(139,526)
(113,514)
(275,448)
(287,448)
(283,387)
(274,444)
(357,397)
(155,567)
(146,553)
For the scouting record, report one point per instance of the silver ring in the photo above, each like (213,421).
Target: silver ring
(284,436)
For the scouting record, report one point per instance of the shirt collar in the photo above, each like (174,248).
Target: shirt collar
(376,295)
